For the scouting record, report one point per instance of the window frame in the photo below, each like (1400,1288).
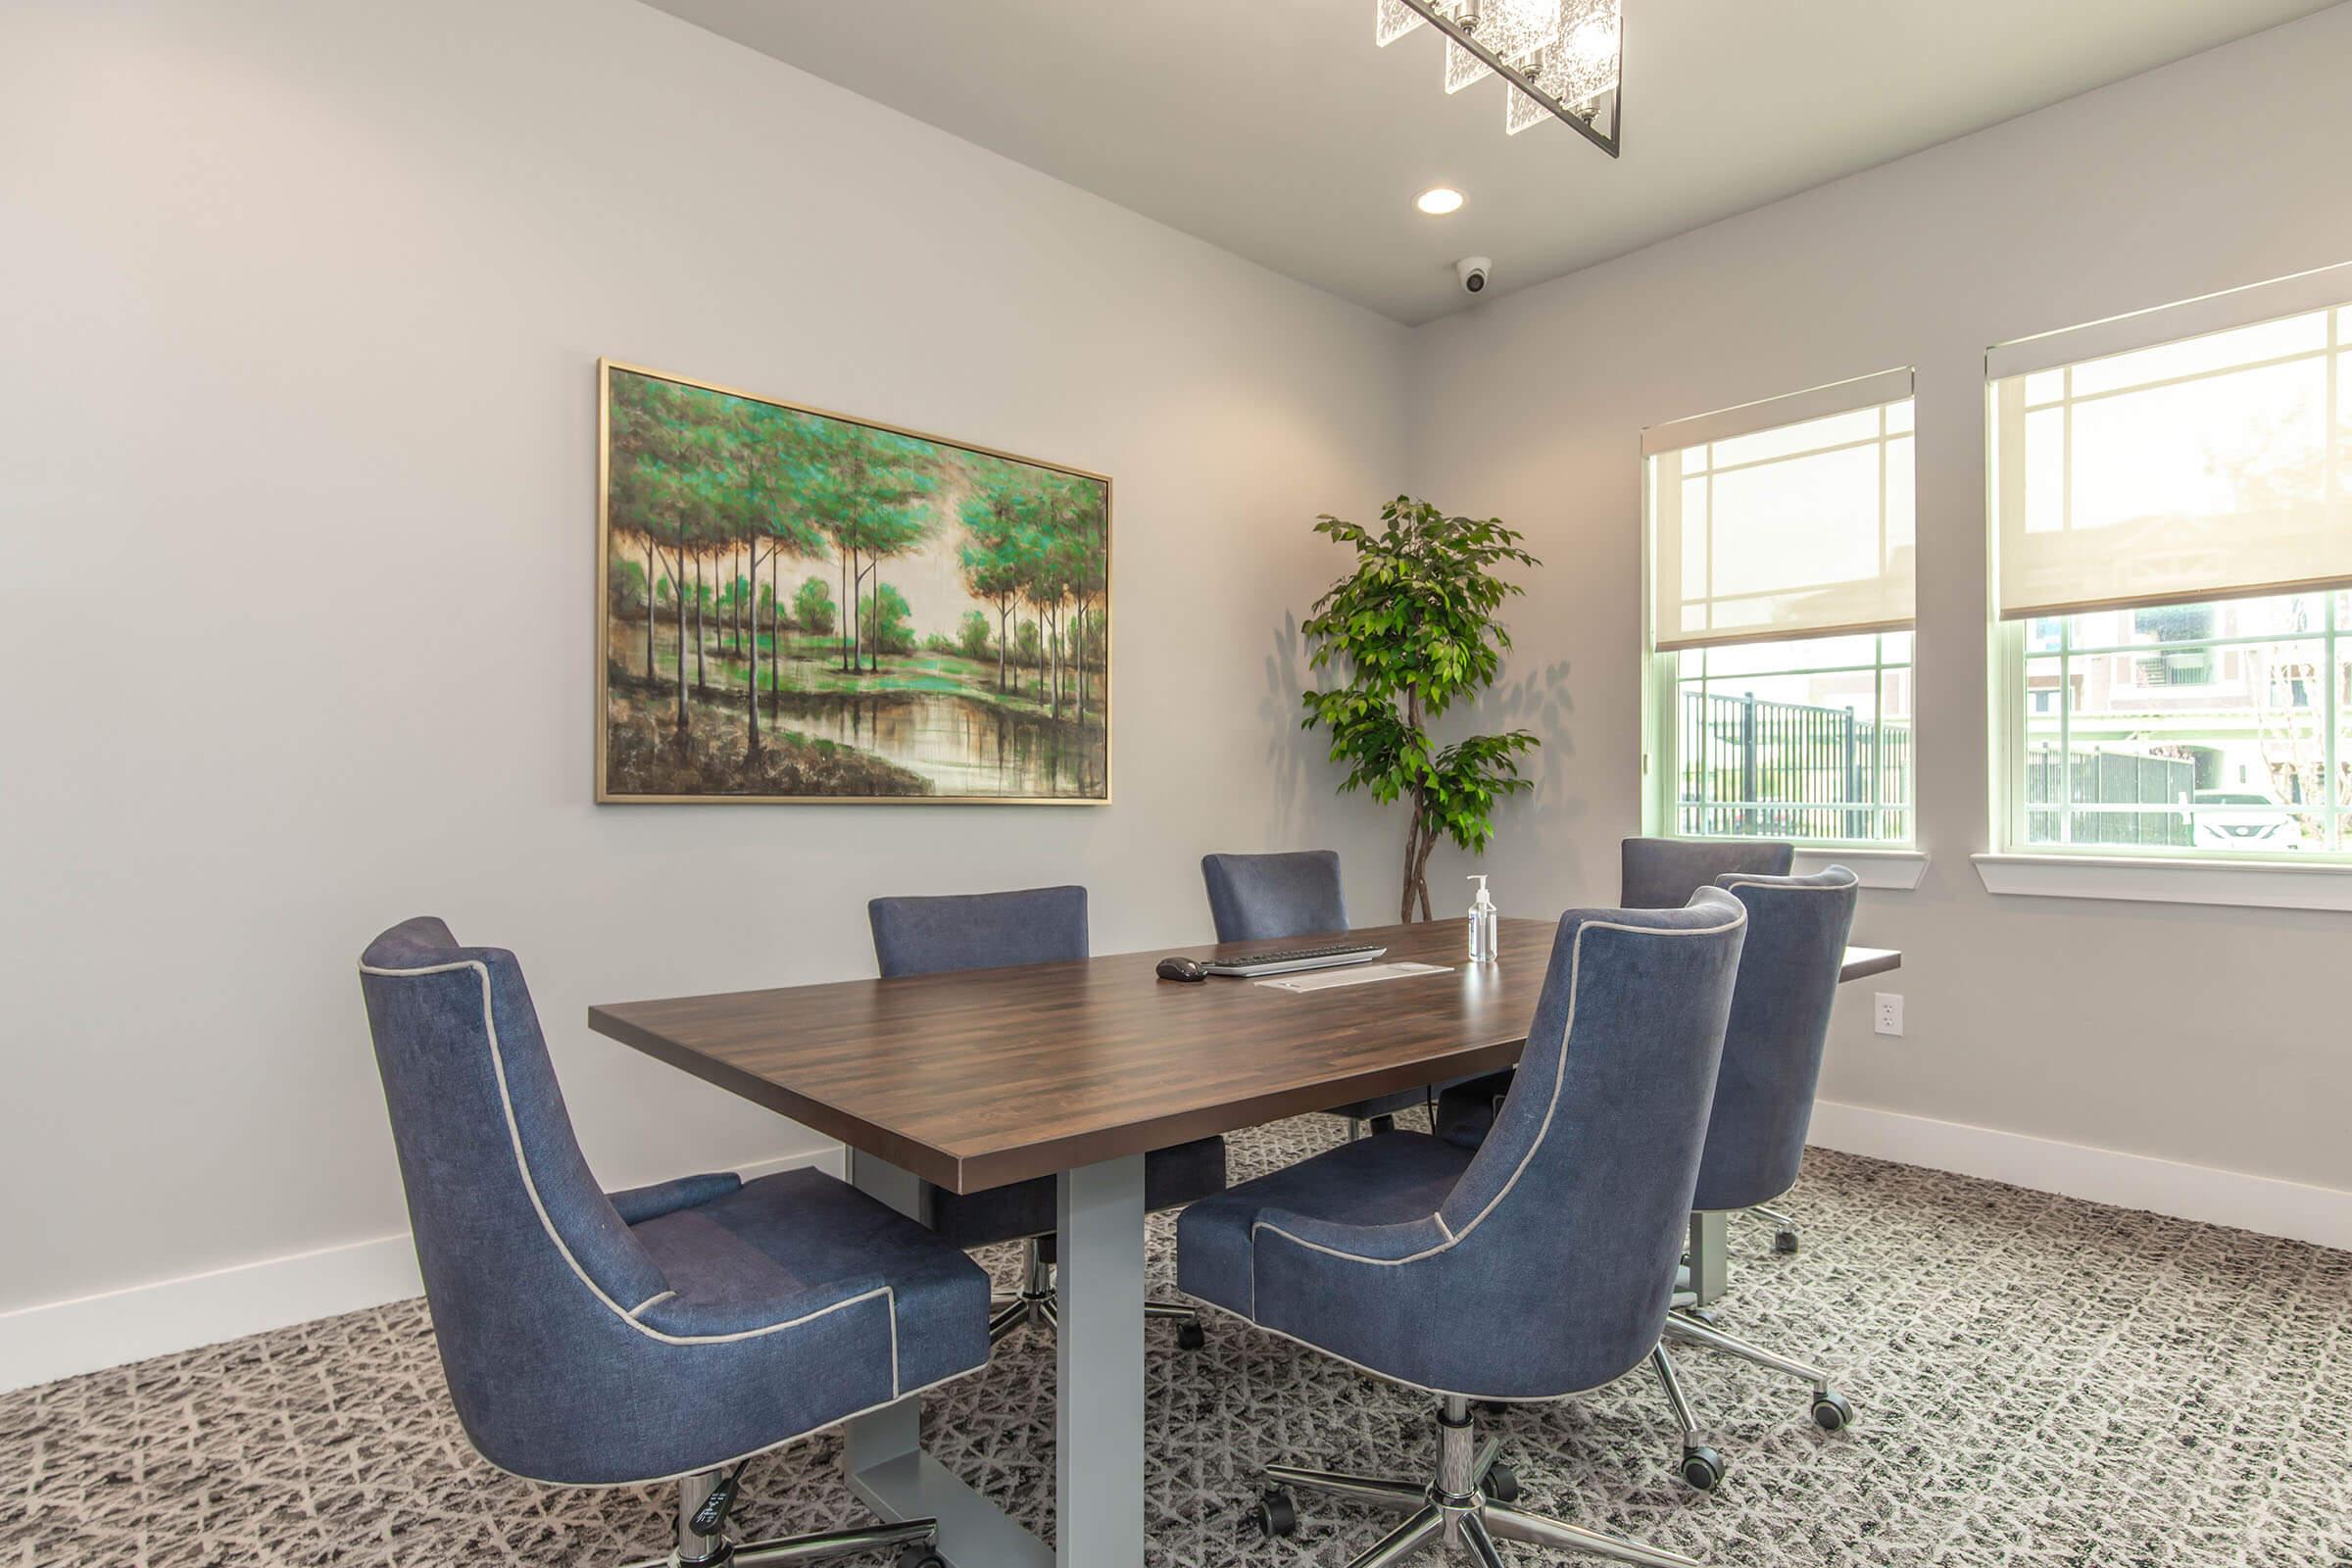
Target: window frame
(2011,809)
(1884,862)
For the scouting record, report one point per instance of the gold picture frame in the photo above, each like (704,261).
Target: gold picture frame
(711,478)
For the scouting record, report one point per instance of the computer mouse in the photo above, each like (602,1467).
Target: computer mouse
(1182,969)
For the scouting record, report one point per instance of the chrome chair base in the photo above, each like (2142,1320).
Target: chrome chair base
(1465,1509)
(1037,1305)
(706,1499)
(1832,1411)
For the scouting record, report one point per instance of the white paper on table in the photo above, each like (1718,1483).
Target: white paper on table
(1355,974)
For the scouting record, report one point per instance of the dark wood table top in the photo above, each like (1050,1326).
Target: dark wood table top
(978,1078)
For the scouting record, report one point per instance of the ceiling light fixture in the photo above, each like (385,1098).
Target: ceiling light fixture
(1561,58)
(1439,200)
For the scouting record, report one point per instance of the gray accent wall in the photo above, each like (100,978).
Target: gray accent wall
(2210,1036)
(300,314)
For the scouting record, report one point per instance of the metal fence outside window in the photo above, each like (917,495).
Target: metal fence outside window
(1757,768)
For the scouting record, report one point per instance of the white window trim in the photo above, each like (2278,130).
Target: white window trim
(1896,869)
(2244,884)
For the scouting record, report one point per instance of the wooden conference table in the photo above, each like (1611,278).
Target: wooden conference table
(1074,1070)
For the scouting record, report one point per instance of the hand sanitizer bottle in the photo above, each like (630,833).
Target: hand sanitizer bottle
(1482,925)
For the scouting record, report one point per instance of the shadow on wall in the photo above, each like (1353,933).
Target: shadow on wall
(1287,750)
(1541,824)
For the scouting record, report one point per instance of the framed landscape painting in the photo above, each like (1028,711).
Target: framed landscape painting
(795,605)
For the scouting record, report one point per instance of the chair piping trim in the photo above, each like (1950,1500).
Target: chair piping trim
(749,1453)
(1559,1078)
(1757,880)
(522,1164)
(1408,1383)
(658,1295)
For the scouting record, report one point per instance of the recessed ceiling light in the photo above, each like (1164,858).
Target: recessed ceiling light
(1439,201)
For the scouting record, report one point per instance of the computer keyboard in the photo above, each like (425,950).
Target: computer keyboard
(1283,960)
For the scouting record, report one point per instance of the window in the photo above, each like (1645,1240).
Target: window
(1780,557)
(2173,528)
(2211,728)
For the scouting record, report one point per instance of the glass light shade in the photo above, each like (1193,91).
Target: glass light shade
(1392,19)
(1513,30)
(1579,70)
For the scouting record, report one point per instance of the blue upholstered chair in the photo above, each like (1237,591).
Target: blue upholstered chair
(991,931)
(1772,1049)
(1663,873)
(1274,898)
(1538,1266)
(665,1333)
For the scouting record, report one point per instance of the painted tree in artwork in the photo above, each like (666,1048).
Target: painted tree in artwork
(1001,506)
(867,489)
(660,494)
(769,443)
(1081,546)
(812,608)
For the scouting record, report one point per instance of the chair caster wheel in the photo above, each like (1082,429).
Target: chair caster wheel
(1190,1337)
(1832,1412)
(1501,1484)
(1784,1241)
(1703,1469)
(920,1557)
(1274,1514)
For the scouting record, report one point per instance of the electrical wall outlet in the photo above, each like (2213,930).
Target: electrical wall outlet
(1887,1015)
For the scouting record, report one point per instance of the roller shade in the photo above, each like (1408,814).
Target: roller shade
(2201,451)
(1789,518)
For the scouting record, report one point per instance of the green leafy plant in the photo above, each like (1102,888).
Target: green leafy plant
(1413,627)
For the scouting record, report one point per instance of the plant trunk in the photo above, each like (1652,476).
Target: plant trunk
(649,616)
(700,682)
(1001,613)
(775,633)
(1429,842)
(1412,864)
(1078,659)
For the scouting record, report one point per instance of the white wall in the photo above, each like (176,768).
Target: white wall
(299,311)
(2207,1036)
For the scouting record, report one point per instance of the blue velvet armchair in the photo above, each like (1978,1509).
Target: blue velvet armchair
(1275,898)
(935,934)
(1762,1109)
(1538,1264)
(665,1333)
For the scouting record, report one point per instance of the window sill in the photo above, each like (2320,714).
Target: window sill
(2250,884)
(1900,869)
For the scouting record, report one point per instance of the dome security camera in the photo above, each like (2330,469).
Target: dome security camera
(1473,270)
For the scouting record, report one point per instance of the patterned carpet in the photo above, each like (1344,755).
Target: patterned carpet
(2040,1382)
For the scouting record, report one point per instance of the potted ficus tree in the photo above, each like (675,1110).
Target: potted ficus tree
(1413,629)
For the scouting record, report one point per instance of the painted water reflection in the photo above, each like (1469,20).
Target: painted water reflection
(963,746)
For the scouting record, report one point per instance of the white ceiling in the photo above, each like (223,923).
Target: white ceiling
(1277,129)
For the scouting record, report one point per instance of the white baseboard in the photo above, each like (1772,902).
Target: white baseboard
(2263,1204)
(61,1339)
